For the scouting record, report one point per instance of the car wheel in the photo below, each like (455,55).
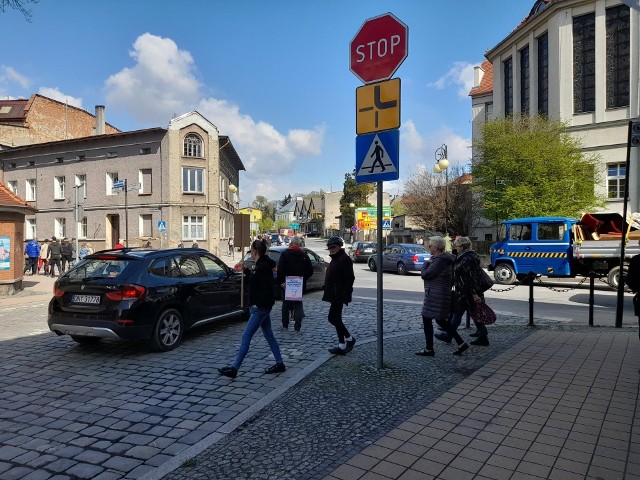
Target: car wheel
(82,340)
(372,265)
(167,331)
(504,274)
(401,269)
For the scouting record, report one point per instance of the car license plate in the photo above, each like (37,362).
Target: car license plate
(92,299)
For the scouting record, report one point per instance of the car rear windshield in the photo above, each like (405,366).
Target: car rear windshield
(416,249)
(96,268)
(368,245)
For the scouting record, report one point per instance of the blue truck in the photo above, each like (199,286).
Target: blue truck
(561,247)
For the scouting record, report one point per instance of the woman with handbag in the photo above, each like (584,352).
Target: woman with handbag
(469,288)
(437,275)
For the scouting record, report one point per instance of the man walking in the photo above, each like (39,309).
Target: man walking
(293,262)
(338,288)
(44,251)
(67,253)
(54,255)
(32,250)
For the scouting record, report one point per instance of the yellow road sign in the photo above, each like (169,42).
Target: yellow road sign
(378,106)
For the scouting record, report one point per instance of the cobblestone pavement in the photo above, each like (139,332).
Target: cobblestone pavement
(119,411)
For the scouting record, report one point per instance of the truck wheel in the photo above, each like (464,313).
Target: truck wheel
(504,274)
(614,276)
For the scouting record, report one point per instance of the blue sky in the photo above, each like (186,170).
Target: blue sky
(273,75)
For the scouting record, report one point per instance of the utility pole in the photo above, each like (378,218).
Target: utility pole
(78,215)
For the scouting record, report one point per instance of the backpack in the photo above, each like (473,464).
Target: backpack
(65,249)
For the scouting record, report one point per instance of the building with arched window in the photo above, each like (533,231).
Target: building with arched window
(164,185)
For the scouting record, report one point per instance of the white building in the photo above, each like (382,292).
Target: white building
(577,61)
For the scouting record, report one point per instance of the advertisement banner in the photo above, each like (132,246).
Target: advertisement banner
(5,253)
(367,218)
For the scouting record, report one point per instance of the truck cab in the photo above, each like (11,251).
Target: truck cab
(542,245)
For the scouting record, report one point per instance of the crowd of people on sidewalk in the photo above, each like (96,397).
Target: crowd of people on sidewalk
(52,257)
(453,285)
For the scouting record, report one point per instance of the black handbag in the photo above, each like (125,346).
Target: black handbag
(485,281)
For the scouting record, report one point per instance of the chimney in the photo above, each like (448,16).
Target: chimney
(99,119)
(478,73)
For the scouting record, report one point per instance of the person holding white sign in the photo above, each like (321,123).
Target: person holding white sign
(294,268)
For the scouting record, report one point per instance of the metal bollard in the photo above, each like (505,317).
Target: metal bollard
(591,297)
(532,276)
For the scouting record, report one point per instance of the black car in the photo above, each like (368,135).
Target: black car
(141,294)
(361,251)
(316,281)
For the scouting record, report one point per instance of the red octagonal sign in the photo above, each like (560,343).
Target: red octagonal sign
(379,47)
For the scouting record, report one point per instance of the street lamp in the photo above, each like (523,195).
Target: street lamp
(442,165)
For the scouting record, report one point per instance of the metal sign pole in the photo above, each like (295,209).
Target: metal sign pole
(380,332)
(126,215)
(623,240)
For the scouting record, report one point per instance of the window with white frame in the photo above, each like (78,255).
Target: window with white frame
(60,227)
(193,227)
(192,146)
(112,177)
(144,225)
(31,190)
(81,181)
(13,186)
(224,188)
(30,228)
(83,228)
(616,173)
(192,180)
(144,178)
(58,188)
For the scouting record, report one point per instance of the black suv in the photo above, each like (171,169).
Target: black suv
(142,294)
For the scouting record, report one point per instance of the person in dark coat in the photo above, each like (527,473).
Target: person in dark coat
(632,279)
(437,273)
(293,262)
(338,288)
(54,255)
(261,302)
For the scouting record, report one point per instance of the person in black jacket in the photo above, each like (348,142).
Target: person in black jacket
(632,279)
(293,262)
(338,287)
(54,255)
(261,301)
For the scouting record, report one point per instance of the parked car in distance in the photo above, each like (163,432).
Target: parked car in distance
(141,294)
(312,234)
(401,258)
(315,282)
(361,251)
(276,239)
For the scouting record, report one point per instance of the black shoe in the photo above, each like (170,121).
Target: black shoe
(481,342)
(350,345)
(285,327)
(474,334)
(426,353)
(337,351)
(443,337)
(277,368)
(230,372)
(461,348)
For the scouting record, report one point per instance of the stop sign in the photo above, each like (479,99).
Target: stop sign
(379,47)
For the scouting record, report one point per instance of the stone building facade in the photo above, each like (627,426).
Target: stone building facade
(178,186)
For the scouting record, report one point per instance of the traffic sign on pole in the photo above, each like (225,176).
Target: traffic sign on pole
(377,156)
(378,106)
(379,47)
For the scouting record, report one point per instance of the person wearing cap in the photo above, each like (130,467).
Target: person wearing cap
(293,262)
(338,287)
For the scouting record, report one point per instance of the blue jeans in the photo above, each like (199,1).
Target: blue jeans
(260,318)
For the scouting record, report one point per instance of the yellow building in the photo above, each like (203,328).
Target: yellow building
(255,216)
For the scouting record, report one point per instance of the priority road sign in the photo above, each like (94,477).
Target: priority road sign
(378,156)
(378,106)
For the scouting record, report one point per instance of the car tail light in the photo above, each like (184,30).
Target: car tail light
(357,251)
(107,257)
(127,292)
(237,267)
(415,258)
(57,292)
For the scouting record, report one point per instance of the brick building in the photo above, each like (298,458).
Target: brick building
(41,119)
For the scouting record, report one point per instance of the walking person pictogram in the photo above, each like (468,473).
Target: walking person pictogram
(379,153)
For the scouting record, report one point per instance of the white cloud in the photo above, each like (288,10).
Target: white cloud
(12,75)
(163,82)
(56,94)
(460,74)
(160,84)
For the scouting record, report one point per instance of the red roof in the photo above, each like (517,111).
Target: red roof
(486,84)
(10,199)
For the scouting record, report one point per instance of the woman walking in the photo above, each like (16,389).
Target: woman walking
(261,301)
(437,274)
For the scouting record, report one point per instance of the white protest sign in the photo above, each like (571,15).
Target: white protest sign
(293,289)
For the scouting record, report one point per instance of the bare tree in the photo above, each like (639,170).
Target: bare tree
(19,5)
(441,202)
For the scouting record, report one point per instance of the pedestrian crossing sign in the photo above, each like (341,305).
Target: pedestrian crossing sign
(377,156)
